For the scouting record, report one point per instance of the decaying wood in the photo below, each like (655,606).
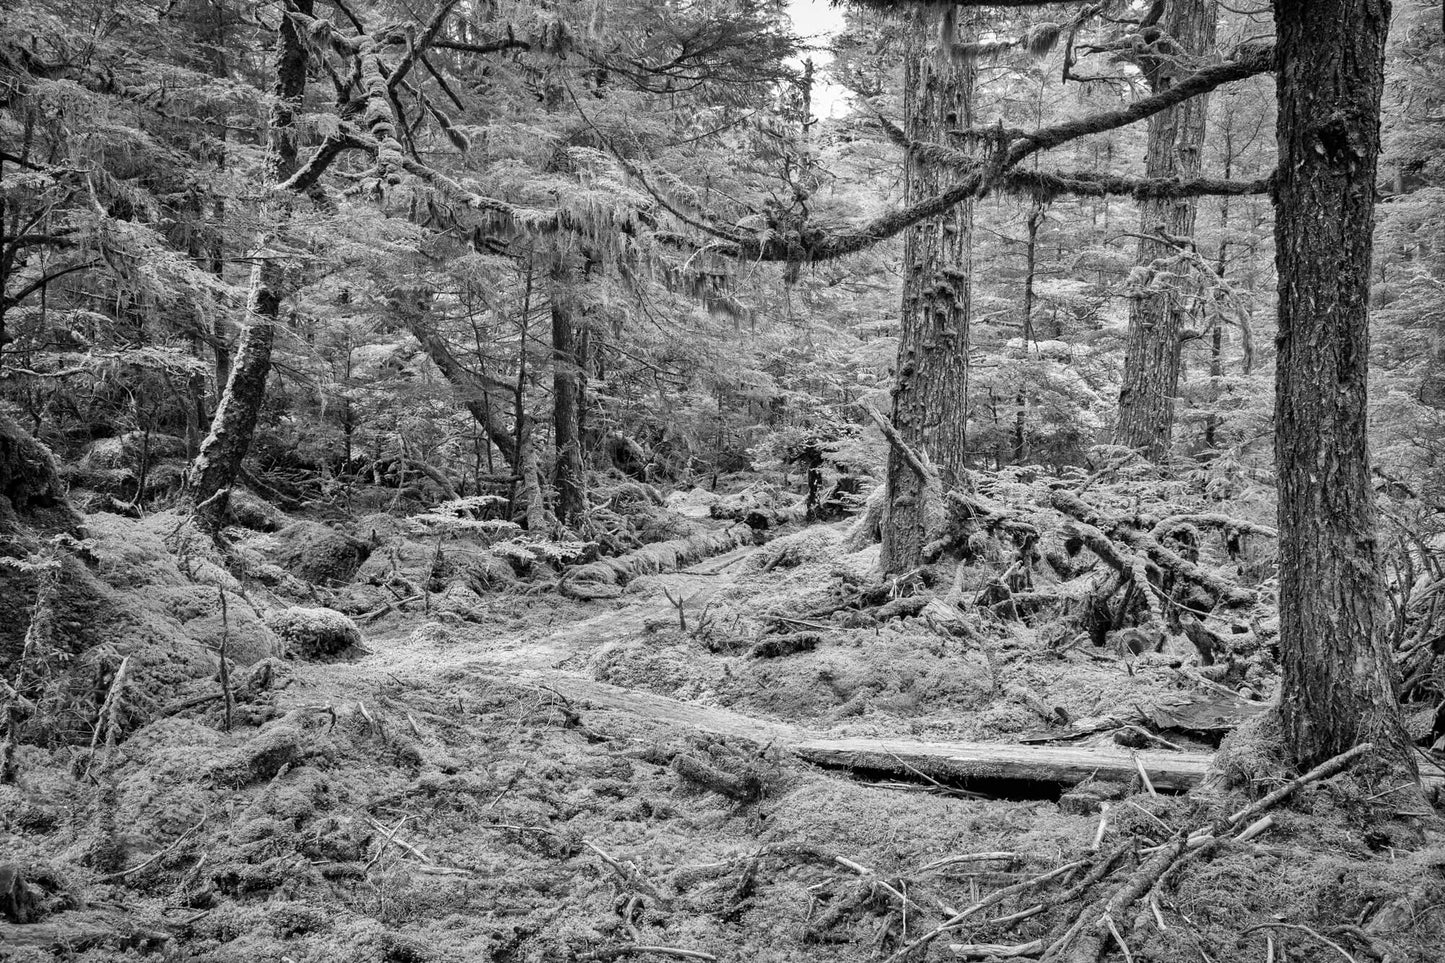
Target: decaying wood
(79,930)
(778,646)
(605,578)
(961,761)
(694,770)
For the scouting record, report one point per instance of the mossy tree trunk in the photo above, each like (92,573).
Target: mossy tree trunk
(1156,315)
(930,393)
(570,472)
(1338,686)
(233,425)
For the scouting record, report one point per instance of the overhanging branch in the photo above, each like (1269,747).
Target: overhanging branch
(808,246)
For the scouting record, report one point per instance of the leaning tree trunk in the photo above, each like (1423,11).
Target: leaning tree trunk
(1338,686)
(219,461)
(1156,316)
(566,397)
(473,391)
(929,396)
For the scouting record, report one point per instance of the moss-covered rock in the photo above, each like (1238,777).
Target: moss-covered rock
(314,633)
(319,554)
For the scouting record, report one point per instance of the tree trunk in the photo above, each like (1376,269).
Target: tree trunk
(1338,686)
(1156,318)
(1021,437)
(930,395)
(216,467)
(566,394)
(472,388)
(1216,337)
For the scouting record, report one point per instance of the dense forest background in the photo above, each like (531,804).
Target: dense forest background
(378,382)
(538,221)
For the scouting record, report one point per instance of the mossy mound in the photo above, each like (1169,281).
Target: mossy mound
(251,511)
(128,450)
(314,633)
(319,554)
(131,555)
(248,639)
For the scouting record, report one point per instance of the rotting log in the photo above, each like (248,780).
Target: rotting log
(606,578)
(79,930)
(963,761)
(955,762)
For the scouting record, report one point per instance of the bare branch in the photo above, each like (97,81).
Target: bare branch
(418,47)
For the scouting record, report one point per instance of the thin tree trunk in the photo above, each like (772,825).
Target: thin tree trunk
(1156,318)
(570,473)
(1216,339)
(930,394)
(234,423)
(1021,438)
(1339,686)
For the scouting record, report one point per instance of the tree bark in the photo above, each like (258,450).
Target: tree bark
(930,394)
(571,474)
(1338,687)
(1156,317)
(234,423)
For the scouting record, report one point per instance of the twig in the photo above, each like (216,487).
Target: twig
(966,858)
(1175,747)
(1119,938)
(638,950)
(996,949)
(997,896)
(1144,776)
(142,865)
(225,670)
(400,842)
(385,841)
(1103,827)
(965,793)
(1304,929)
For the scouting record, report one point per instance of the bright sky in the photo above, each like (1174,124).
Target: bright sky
(817,22)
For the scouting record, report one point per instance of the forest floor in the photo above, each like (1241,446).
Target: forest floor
(551,779)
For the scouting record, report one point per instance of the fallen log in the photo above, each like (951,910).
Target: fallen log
(79,930)
(605,578)
(960,762)
(965,761)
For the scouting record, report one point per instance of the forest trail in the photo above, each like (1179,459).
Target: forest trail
(546,656)
(549,658)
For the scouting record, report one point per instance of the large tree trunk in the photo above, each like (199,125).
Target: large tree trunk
(929,398)
(571,474)
(1339,685)
(219,461)
(1156,317)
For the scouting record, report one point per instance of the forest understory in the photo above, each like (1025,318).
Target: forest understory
(436,739)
